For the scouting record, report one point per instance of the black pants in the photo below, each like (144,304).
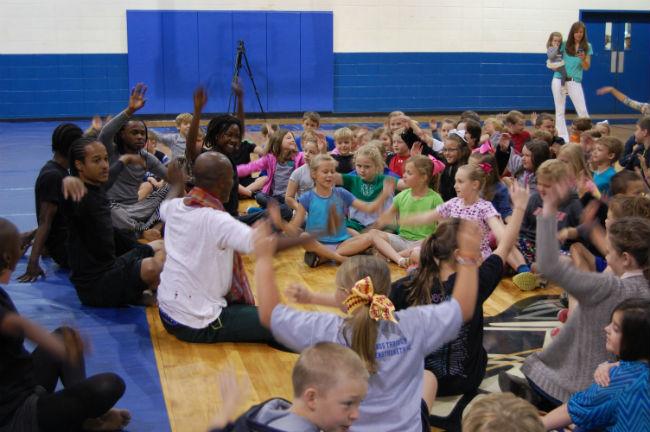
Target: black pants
(81,398)
(237,323)
(285,211)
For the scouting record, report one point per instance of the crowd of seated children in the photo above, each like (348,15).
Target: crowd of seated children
(453,202)
(311,124)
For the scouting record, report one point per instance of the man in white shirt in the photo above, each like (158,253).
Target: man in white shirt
(203,268)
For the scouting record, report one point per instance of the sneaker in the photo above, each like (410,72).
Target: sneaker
(312,259)
(149,298)
(251,210)
(515,385)
(525,281)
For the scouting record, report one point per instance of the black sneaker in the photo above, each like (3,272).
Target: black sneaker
(515,385)
(312,259)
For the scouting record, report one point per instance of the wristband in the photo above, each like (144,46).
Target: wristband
(469,260)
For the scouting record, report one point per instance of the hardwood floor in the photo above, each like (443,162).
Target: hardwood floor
(188,372)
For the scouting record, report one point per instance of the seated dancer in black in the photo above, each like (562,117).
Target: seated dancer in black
(28,400)
(52,228)
(100,277)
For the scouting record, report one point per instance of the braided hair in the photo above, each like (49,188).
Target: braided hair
(119,140)
(63,136)
(217,128)
(78,152)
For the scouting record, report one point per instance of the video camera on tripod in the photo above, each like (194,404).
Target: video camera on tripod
(241,55)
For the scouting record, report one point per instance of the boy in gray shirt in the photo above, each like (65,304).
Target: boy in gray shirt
(329,383)
(177,141)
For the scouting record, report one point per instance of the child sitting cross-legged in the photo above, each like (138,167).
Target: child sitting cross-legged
(391,344)
(282,159)
(300,180)
(419,197)
(333,241)
(329,383)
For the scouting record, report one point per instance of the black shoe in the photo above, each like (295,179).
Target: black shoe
(149,298)
(515,385)
(312,259)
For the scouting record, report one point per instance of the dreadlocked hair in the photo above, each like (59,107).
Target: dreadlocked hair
(217,127)
(119,141)
(63,136)
(78,152)
(438,247)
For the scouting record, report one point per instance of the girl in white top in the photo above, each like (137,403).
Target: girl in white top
(393,345)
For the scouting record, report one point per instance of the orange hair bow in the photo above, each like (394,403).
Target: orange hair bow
(363,293)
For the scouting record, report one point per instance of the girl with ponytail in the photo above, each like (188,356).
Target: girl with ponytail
(458,366)
(392,344)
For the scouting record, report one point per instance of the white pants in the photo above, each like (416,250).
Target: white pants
(577,97)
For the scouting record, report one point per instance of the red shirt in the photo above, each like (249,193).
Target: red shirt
(396,164)
(519,140)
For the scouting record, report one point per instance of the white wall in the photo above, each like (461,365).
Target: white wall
(99,26)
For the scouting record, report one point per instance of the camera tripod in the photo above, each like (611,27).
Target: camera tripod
(241,55)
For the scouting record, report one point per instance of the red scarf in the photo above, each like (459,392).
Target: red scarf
(240,290)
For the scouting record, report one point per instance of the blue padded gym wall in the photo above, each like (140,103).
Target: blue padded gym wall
(290,55)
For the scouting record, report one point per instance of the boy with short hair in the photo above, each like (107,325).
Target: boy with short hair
(579,125)
(343,154)
(514,123)
(177,141)
(311,123)
(329,383)
(606,153)
(641,148)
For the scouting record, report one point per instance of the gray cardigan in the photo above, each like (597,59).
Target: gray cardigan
(567,365)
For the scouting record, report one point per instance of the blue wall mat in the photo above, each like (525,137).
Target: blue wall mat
(146,57)
(317,62)
(251,28)
(283,61)
(181,59)
(61,85)
(216,56)
(379,82)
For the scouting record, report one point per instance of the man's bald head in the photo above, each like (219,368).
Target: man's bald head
(213,172)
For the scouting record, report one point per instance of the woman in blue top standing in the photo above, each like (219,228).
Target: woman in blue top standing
(577,53)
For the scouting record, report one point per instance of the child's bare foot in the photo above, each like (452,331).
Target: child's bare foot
(151,235)
(114,419)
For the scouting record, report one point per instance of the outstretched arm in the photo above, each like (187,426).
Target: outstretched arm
(519,196)
(239,94)
(268,297)
(424,218)
(192,148)
(557,418)
(376,205)
(468,256)
(136,102)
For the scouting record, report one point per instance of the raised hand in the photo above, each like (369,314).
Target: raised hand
(469,239)
(533,118)
(416,150)
(200,99)
(504,141)
(299,293)
(137,100)
(554,195)
(233,393)
(519,195)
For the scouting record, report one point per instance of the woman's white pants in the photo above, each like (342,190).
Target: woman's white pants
(577,96)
